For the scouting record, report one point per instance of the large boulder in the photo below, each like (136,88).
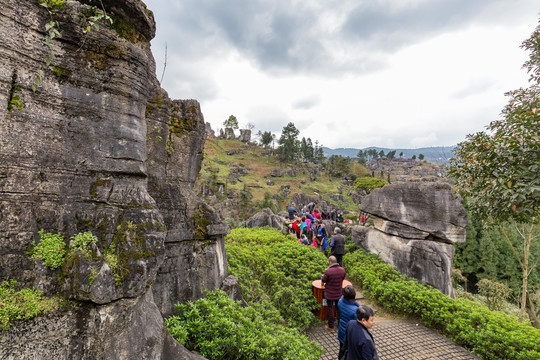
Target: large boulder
(266,218)
(414,226)
(429,262)
(432,208)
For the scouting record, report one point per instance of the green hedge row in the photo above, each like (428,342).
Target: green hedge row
(275,273)
(488,334)
(274,268)
(220,328)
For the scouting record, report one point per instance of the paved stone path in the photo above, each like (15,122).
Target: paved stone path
(399,340)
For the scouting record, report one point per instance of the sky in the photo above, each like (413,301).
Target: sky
(347,73)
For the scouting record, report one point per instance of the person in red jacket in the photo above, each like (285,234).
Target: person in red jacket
(333,283)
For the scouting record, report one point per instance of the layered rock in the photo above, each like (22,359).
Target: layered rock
(100,147)
(266,217)
(414,226)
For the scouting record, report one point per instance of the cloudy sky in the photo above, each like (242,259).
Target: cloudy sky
(348,73)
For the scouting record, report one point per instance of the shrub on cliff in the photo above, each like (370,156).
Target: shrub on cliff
(22,304)
(488,334)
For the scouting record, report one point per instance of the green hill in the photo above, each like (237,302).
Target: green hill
(239,179)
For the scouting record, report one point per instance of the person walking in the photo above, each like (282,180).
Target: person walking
(359,343)
(347,307)
(333,283)
(338,245)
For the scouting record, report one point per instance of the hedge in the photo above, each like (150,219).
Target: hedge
(488,334)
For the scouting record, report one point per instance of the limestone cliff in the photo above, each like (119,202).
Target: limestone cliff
(100,147)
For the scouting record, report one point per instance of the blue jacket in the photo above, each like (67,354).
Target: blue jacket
(359,342)
(347,312)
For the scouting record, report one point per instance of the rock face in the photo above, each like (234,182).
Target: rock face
(415,225)
(266,217)
(100,147)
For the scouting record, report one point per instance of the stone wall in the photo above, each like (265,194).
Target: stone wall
(100,147)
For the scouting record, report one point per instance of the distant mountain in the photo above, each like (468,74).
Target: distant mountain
(435,154)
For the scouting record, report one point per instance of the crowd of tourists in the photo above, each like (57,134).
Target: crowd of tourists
(356,342)
(308,227)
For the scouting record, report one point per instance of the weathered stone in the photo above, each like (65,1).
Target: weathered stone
(125,329)
(265,218)
(100,147)
(232,288)
(229,134)
(245,135)
(290,172)
(433,208)
(429,262)
(277,173)
(269,182)
(210,133)
(397,229)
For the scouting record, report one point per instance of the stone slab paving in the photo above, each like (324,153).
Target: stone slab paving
(399,340)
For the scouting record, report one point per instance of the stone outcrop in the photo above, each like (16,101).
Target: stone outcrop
(100,147)
(229,134)
(415,225)
(266,217)
(209,131)
(245,135)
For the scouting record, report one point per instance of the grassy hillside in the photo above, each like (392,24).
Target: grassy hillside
(236,175)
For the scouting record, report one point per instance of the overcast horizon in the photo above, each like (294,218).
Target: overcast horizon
(392,74)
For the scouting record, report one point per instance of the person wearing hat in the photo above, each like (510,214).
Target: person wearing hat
(338,245)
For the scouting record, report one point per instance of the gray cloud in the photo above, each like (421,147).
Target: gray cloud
(283,36)
(307,102)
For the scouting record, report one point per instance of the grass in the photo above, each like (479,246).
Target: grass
(22,303)
(259,167)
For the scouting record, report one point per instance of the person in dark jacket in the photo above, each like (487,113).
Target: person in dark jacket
(359,342)
(338,245)
(292,211)
(347,307)
(333,283)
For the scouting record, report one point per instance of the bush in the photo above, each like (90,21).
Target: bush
(21,304)
(490,335)
(369,183)
(82,241)
(51,249)
(495,292)
(220,328)
(275,270)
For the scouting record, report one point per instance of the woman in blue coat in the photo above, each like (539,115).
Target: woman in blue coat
(347,306)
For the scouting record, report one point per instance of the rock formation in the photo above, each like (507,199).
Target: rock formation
(100,147)
(266,217)
(245,135)
(415,225)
